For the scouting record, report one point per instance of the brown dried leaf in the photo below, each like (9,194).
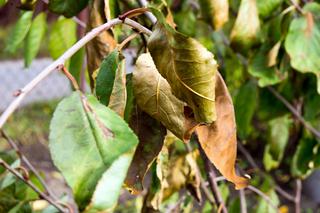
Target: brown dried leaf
(216,12)
(219,140)
(100,46)
(151,135)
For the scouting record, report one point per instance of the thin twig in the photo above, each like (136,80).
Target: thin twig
(252,163)
(69,76)
(79,22)
(150,16)
(203,184)
(31,185)
(294,112)
(126,40)
(297,200)
(211,178)
(263,195)
(53,66)
(28,164)
(297,6)
(243,201)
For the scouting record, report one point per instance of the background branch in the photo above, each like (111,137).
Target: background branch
(32,186)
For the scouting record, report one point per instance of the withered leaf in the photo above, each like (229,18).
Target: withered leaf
(153,95)
(247,26)
(151,135)
(101,45)
(216,12)
(219,140)
(188,67)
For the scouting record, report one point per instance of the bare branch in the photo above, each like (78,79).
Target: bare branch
(53,66)
(297,200)
(28,164)
(263,195)
(150,16)
(31,185)
(243,201)
(294,112)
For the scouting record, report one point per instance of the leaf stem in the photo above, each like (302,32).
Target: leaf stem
(70,77)
(31,185)
(61,60)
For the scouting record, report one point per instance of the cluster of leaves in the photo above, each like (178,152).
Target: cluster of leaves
(134,122)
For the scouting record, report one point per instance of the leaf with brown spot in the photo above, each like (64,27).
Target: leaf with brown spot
(153,95)
(219,140)
(100,46)
(151,136)
(188,67)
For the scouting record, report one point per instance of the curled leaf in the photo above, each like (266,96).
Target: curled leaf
(247,26)
(101,45)
(219,140)
(151,136)
(188,67)
(153,95)
(216,12)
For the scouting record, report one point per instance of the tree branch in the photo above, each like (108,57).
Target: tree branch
(243,201)
(31,185)
(28,164)
(150,16)
(53,66)
(297,199)
(294,112)
(263,195)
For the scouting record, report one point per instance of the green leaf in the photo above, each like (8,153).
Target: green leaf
(188,67)
(258,67)
(76,64)
(114,63)
(246,27)
(68,8)
(267,7)
(34,38)
(87,142)
(2,2)
(306,157)
(279,132)
(19,32)
(245,106)
(62,37)
(305,54)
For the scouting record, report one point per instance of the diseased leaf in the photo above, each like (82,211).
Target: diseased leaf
(99,47)
(188,67)
(68,8)
(216,12)
(34,38)
(306,158)
(279,131)
(153,95)
(273,54)
(305,54)
(219,140)
(89,143)
(62,37)
(19,32)
(247,26)
(118,97)
(111,82)
(151,136)
(245,105)
(267,7)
